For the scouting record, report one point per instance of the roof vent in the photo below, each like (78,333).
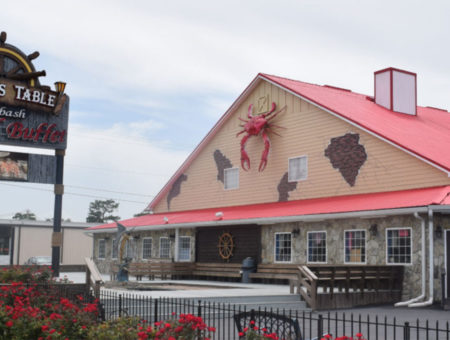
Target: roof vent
(396,90)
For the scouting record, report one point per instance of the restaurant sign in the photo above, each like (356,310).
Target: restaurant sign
(31,115)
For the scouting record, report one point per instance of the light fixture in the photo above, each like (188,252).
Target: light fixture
(166,220)
(295,232)
(60,86)
(373,229)
(438,232)
(219,215)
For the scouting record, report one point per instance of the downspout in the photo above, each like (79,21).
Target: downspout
(421,296)
(431,270)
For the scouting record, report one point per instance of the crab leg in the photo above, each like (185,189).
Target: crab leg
(265,153)
(244,155)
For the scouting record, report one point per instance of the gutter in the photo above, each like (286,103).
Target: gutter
(431,258)
(422,295)
(272,220)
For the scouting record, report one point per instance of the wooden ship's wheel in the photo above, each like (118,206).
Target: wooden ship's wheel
(226,246)
(15,65)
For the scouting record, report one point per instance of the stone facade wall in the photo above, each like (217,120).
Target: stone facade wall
(375,244)
(104,265)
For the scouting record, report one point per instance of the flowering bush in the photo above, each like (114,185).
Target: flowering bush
(34,311)
(186,327)
(255,333)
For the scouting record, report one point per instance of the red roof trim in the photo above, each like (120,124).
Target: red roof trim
(327,205)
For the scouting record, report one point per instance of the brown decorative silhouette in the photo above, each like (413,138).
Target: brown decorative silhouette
(222,163)
(347,155)
(284,187)
(176,189)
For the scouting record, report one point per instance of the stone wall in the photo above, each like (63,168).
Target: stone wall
(104,265)
(375,244)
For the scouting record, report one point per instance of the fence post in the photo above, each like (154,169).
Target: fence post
(156,310)
(406,331)
(120,305)
(320,326)
(199,308)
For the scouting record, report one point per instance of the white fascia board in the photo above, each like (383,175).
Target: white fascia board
(273,220)
(361,127)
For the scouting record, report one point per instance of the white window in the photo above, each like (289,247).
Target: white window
(298,169)
(115,248)
(147,243)
(130,248)
(317,247)
(355,246)
(101,248)
(283,247)
(164,247)
(231,178)
(184,248)
(399,245)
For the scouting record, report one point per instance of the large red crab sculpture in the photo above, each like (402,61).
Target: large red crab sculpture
(254,126)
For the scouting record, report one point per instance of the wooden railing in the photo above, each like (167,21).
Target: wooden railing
(93,278)
(345,286)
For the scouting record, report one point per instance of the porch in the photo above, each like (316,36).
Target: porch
(320,286)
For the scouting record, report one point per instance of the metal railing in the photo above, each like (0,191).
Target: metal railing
(312,324)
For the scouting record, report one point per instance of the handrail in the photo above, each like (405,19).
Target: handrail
(362,278)
(93,277)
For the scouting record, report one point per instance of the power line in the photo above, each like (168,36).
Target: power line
(73,194)
(116,192)
(113,171)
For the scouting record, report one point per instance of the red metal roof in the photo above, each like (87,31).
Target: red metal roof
(328,205)
(426,135)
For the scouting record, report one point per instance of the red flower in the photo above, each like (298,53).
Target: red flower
(44,328)
(142,335)
(9,323)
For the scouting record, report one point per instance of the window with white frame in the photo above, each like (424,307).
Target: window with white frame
(317,247)
(129,248)
(164,247)
(398,245)
(101,248)
(355,246)
(147,243)
(184,248)
(283,247)
(298,169)
(115,249)
(231,178)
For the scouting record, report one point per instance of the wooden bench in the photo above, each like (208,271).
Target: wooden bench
(226,270)
(277,271)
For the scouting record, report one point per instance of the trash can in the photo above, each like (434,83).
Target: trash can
(248,266)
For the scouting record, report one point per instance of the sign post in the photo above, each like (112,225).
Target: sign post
(33,115)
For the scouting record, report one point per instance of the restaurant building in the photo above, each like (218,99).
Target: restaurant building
(309,174)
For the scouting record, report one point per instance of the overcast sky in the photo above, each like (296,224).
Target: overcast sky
(148,79)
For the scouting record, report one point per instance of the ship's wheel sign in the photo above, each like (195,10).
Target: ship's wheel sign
(226,246)
(15,65)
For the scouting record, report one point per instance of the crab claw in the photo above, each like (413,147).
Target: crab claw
(245,160)
(262,165)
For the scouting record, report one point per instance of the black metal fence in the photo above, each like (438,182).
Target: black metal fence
(312,324)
